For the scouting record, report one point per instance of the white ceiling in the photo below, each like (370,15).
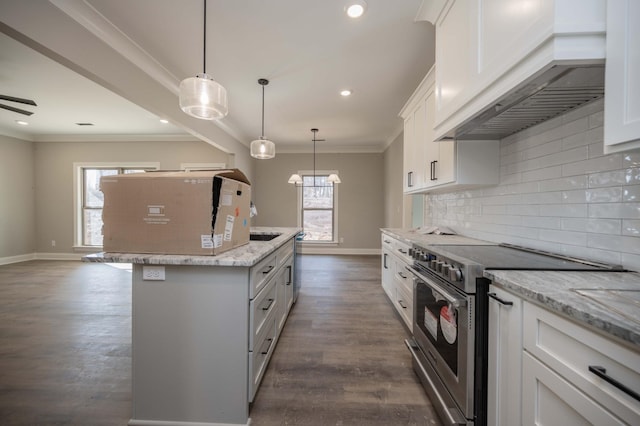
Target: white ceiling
(309,51)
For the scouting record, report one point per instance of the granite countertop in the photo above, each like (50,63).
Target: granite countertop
(411,236)
(606,301)
(245,255)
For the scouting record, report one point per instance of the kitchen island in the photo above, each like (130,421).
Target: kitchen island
(204,328)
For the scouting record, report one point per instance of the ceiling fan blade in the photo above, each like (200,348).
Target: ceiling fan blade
(18,110)
(19,100)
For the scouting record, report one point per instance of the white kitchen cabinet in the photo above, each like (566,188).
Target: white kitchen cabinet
(485,48)
(285,290)
(396,279)
(504,372)
(622,99)
(446,165)
(557,381)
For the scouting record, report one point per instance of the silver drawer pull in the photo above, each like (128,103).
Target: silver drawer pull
(266,308)
(602,373)
(402,305)
(403,276)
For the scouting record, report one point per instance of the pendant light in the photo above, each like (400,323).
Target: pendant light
(297,180)
(201,96)
(263,148)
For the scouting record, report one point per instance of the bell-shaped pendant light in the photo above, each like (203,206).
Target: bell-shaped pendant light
(201,96)
(263,148)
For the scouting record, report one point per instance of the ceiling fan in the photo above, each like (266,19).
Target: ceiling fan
(18,100)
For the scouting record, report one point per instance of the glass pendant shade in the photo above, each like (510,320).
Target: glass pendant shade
(295,179)
(333,178)
(202,97)
(263,149)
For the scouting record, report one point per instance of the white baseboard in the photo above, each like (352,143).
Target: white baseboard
(40,256)
(339,251)
(136,422)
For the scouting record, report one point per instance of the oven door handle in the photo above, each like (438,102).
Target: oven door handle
(456,302)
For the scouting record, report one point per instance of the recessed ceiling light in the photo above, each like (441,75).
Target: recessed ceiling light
(355,8)
(84,124)
(163,121)
(345,92)
(22,122)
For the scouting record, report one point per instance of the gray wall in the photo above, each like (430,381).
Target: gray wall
(17,197)
(360,202)
(558,191)
(36,197)
(393,174)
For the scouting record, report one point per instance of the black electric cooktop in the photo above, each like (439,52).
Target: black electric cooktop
(510,257)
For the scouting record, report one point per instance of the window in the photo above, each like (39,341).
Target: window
(89,199)
(318,213)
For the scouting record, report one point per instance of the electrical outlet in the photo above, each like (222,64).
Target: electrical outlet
(153,273)
(53,243)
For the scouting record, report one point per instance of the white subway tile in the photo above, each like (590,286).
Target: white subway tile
(631,159)
(615,210)
(601,179)
(596,119)
(631,193)
(609,162)
(566,183)
(552,147)
(523,210)
(596,226)
(575,196)
(631,227)
(632,176)
(614,243)
(564,237)
(564,210)
(542,222)
(631,261)
(575,126)
(596,150)
(611,194)
(541,174)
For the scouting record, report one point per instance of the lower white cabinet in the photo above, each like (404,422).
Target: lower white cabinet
(504,358)
(546,369)
(396,279)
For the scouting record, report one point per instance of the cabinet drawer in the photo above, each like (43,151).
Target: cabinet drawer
(261,273)
(549,399)
(571,349)
(260,310)
(259,357)
(283,253)
(403,277)
(404,304)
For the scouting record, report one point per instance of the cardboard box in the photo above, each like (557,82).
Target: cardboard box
(191,213)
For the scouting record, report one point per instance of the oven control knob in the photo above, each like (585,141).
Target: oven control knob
(439,264)
(445,269)
(432,264)
(412,253)
(455,274)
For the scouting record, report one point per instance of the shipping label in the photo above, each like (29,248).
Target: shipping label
(228,228)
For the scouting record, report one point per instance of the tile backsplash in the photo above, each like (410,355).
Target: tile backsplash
(558,192)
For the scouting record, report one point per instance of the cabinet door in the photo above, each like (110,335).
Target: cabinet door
(408,143)
(622,102)
(387,273)
(549,399)
(414,162)
(505,358)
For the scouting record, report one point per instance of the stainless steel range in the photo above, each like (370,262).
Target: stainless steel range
(449,346)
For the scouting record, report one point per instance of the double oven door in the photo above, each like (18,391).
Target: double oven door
(444,329)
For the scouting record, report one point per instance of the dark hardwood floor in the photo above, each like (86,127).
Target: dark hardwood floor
(65,349)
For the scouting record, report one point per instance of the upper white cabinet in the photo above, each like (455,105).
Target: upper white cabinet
(486,48)
(622,100)
(446,165)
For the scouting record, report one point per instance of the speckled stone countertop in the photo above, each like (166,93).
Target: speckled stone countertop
(412,236)
(246,255)
(587,297)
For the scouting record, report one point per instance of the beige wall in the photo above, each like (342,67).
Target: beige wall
(17,198)
(360,195)
(393,198)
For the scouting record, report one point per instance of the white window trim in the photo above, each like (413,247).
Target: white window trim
(77,194)
(336,238)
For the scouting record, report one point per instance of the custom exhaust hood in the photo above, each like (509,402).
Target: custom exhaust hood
(547,95)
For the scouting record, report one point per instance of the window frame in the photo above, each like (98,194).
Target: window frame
(304,173)
(78,194)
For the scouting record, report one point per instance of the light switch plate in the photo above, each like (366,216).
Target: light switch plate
(153,273)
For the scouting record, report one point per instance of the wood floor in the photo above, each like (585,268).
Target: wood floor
(65,349)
